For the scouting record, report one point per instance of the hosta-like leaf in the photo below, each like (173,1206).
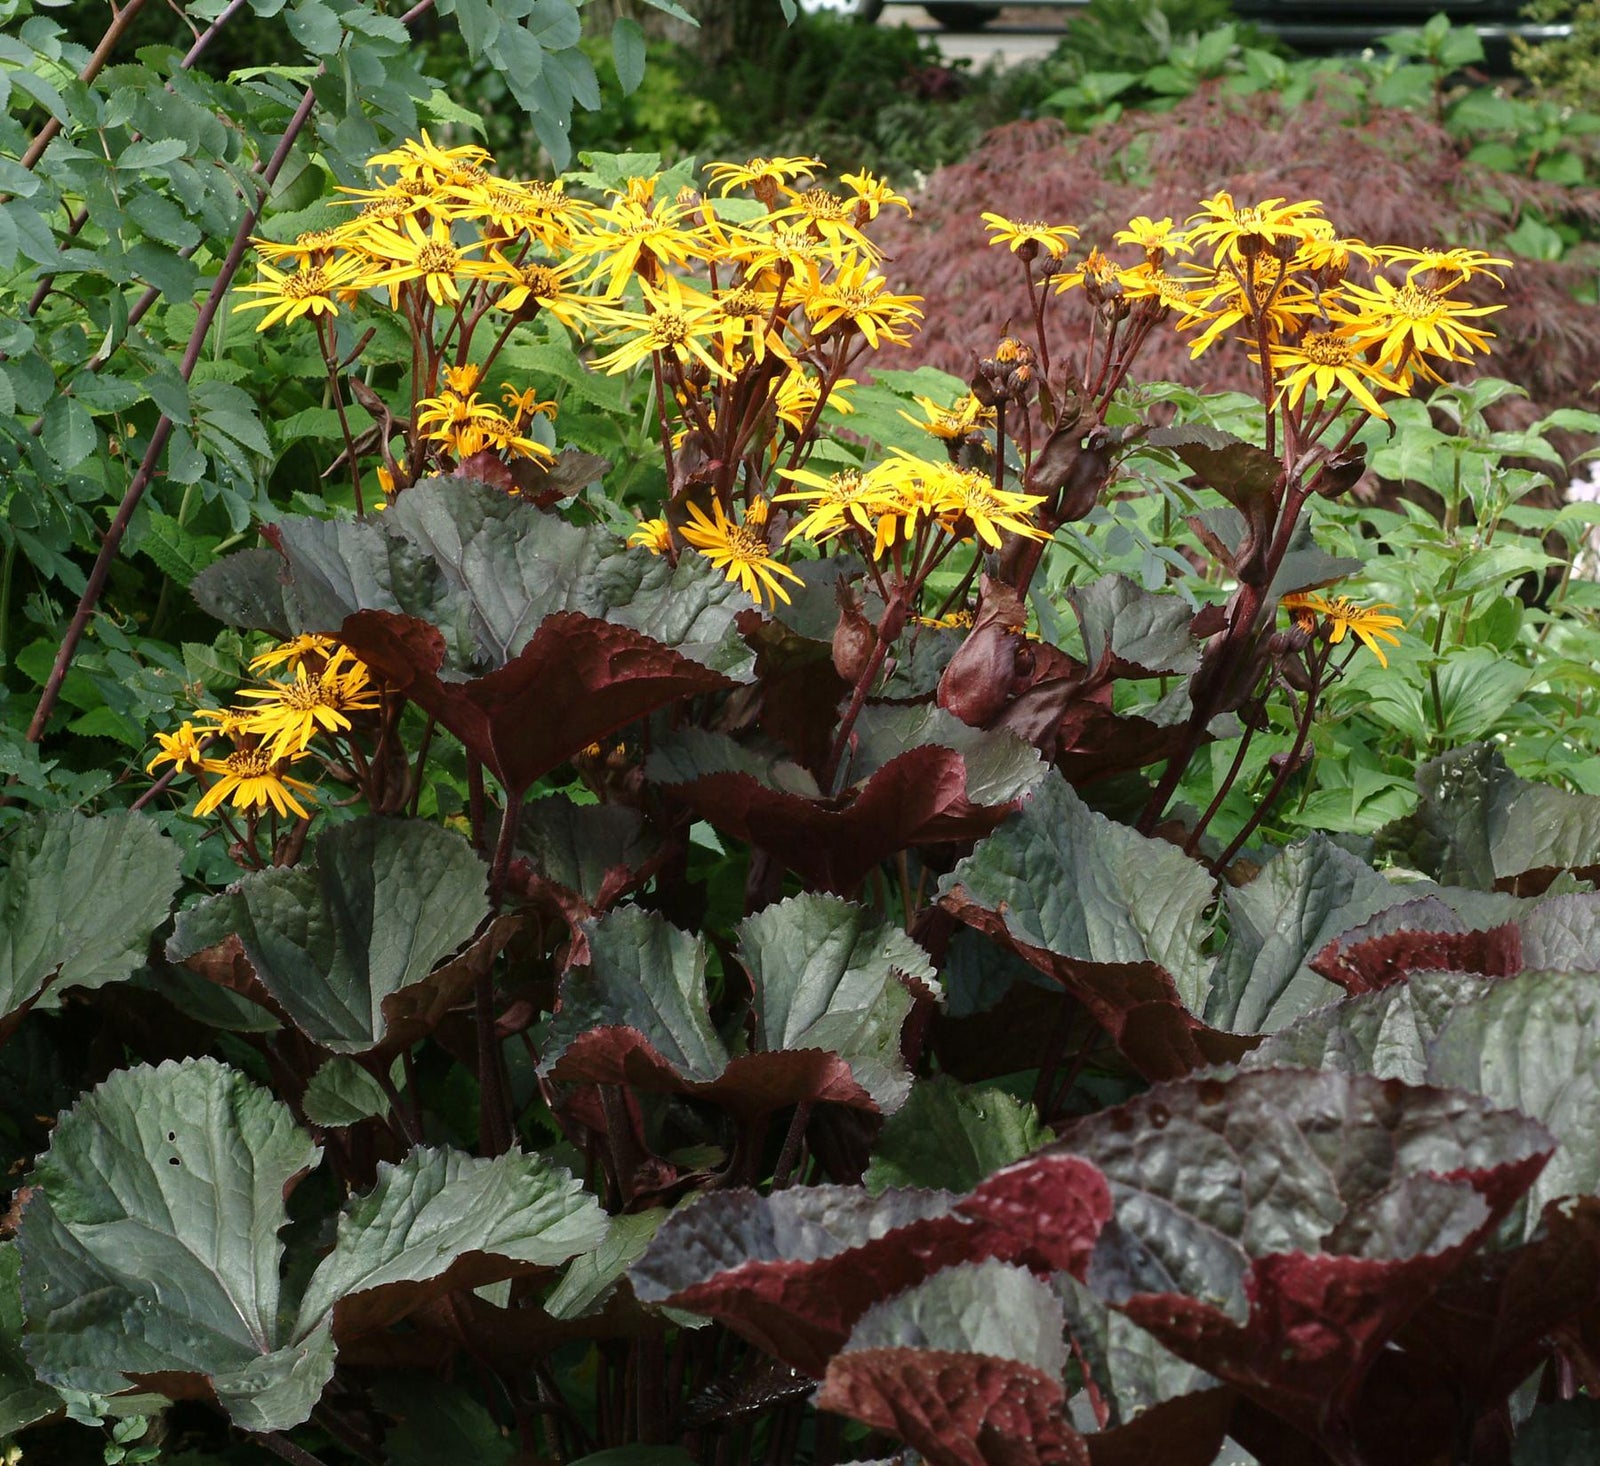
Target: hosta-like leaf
(345,944)
(150,1250)
(794,1271)
(1116,918)
(966,1367)
(1277,1227)
(1529,1043)
(829,1004)
(151,1246)
(442,1220)
(826,976)
(1303,898)
(1160,1407)
(80,899)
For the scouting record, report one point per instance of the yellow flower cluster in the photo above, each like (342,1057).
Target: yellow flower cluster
(1275,275)
(891,502)
(323,684)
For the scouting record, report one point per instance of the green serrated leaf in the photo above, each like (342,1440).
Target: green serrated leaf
(151,1245)
(338,941)
(79,901)
(627,52)
(510,1213)
(949,1136)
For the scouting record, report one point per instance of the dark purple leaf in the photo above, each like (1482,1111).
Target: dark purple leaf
(575,681)
(792,1272)
(1277,1228)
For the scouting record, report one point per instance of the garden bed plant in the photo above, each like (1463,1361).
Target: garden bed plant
(704,909)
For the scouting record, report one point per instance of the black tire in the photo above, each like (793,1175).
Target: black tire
(963,17)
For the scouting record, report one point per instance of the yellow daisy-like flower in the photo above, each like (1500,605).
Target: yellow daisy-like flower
(1325,361)
(761,171)
(309,244)
(797,394)
(289,715)
(294,651)
(1408,318)
(253,779)
(829,218)
(1343,616)
(184,750)
(1461,264)
(652,535)
(636,236)
(1221,302)
(873,195)
(1156,237)
(858,298)
(675,322)
(431,256)
(967,503)
(1242,229)
(1099,274)
(951,424)
(425,159)
(837,502)
(740,551)
(1054,239)
(313,289)
(531,286)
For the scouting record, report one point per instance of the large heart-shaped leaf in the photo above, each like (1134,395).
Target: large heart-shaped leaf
(966,1367)
(1277,1227)
(150,1248)
(1529,1043)
(951,1136)
(1131,632)
(1305,896)
(80,899)
(829,1002)
(793,1271)
(575,680)
(1478,824)
(23,1399)
(927,791)
(441,1220)
(1116,918)
(350,945)
(485,570)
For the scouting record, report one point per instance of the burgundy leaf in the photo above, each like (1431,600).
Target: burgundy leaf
(751,1085)
(576,680)
(835,843)
(793,1272)
(1277,1228)
(1378,962)
(956,1409)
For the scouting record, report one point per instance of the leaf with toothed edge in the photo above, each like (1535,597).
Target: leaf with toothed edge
(830,998)
(1276,1228)
(794,1271)
(965,1366)
(345,944)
